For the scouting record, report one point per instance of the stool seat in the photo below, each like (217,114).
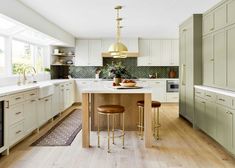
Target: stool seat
(111,109)
(155,104)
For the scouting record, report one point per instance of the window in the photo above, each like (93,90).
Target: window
(2,55)
(25,55)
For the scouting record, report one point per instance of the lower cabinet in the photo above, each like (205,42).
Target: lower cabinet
(216,120)
(44,110)
(30,115)
(224,127)
(56,100)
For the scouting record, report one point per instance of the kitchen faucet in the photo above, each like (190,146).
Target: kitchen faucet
(24,74)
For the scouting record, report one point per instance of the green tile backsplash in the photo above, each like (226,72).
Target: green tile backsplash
(131,65)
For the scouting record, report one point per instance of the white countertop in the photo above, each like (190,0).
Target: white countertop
(7,90)
(216,90)
(111,90)
(92,79)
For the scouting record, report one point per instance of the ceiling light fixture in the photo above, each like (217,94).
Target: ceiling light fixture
(118,49)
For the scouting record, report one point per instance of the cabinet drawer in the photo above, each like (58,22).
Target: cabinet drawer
(224,100)
(199,92)
(16,98)
(16,113)
(210,96)
(172,97)
(30,94)
(16,132)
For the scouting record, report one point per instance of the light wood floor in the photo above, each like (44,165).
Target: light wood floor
(180,146)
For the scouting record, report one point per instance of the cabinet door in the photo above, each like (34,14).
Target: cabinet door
(48,108)
(208,61)
(56,100)
(95,58)
(30,111)
(220,59)
(158,90)
(155,53)
(62,95)
(82,52)
(165,52)
(41,111)
(208,23)
(144,48)
(200,113)
(224,127)
(231,12)
(174,53)
(210,118)
(220,17)
(231,57)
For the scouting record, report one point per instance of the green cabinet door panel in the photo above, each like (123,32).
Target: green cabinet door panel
(199,113)
(210,113)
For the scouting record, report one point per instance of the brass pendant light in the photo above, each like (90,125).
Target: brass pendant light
(118,49)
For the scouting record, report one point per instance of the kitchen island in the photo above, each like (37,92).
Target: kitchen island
(92,97)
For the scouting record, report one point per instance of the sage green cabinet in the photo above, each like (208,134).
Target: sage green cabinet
(231,57)
(208,23)
(224,127)
(231,12)
(200,110)
(208,60)
(210,118)
(190,64)
(220,59)
(220,17)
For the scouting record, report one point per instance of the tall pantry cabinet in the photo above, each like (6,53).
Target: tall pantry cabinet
(190,64)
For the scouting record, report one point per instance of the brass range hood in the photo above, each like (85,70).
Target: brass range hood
(118,49)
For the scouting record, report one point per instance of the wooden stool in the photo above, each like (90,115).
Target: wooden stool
(111,110)
(140,125)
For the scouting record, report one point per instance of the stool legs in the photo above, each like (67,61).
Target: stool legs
(142,124)
(98,125)
(108,136)
(113,128)
(157,124)
(123,129)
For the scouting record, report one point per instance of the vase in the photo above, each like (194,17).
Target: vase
(117,80)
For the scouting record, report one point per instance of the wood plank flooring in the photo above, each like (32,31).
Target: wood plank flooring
(180,146)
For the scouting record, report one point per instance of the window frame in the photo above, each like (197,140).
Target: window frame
(5,53)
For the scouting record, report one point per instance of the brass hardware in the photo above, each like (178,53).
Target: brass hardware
(18,98)
(208,95)
(212,59)
(32,94)
(17,132)
(18,113)
(8,104)
(32,100)
(222,100)
(184,30)
(211,29)
(46,100)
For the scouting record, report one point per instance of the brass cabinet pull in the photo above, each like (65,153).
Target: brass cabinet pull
(222,100)
(212,59)
(208,95)
(8,104)
(17,132)
(18,113)
(18,98)
(46,100)
(32,94)
(33,100)
(211,29)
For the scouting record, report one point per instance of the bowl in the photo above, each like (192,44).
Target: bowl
(128,84)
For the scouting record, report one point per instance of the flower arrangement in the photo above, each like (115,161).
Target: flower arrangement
(116,70)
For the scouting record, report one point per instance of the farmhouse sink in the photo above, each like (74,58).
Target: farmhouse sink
(45,90)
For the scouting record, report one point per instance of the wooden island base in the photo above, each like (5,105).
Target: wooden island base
(126,100)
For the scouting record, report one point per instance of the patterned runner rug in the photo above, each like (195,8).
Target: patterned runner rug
(63,133)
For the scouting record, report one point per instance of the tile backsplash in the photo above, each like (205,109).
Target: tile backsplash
(131,66)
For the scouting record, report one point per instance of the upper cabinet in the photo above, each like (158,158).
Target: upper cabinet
(157,52)
(88,53)
(219,17)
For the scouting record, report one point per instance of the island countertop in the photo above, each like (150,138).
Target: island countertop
(110,89)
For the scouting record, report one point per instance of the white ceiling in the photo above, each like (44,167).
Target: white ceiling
(142,18)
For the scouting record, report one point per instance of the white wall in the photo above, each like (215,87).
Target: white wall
(16,10)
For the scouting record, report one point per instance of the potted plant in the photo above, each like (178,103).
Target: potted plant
(116,71)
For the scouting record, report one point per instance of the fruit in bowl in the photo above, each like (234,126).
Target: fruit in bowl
(128,83)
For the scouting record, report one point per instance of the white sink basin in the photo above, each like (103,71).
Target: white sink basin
(45,90)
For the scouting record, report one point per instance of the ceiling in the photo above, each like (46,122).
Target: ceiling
(142,18)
